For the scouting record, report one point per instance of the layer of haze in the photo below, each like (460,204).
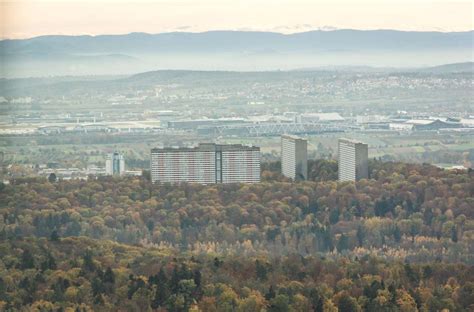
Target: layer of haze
(29,18)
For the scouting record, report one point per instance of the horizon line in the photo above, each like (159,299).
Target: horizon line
(233,30)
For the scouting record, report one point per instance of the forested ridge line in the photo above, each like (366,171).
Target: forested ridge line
(401,241)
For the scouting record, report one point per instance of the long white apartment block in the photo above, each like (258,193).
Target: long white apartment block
(207,163)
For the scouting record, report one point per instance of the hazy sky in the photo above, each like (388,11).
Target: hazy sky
(29,18)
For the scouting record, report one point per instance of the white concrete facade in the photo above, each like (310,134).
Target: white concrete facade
(353,160)
(294,157)
(206,164)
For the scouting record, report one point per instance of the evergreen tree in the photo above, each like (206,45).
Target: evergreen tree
(397,235)
(49,263)
(334,216)
(343,243)
(161,295)
(280,303)
(3,290)
(88,264)
(161,291)
(454,234)
(360,235)
(161,277)
(97,287)
(108,279)
(371,291)
(411,274)
(197,278)
(260,270)
(316,300)
(27,260)
(109,276)
(174,282)
(52,178)
(270,294)
(347,303)
(54,236)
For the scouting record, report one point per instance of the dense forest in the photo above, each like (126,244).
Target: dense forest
(401,241)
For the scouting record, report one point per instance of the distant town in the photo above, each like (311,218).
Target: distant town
(69,126)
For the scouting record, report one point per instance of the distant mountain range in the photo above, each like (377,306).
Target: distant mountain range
(230,50)
(466,67)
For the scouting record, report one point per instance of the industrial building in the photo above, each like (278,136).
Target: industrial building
(294,157)
(197,123)
(319,118)
(433,124)
(208,163)
(353,160)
